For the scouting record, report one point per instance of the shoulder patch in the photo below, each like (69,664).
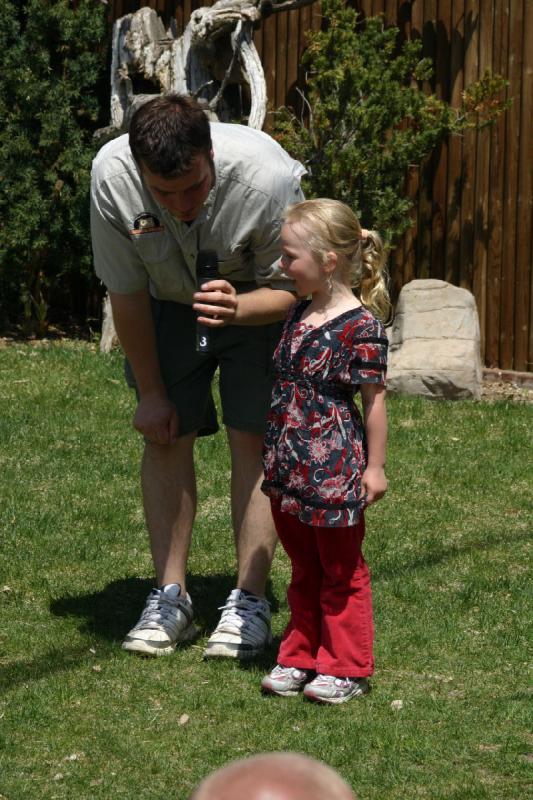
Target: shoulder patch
(146,223)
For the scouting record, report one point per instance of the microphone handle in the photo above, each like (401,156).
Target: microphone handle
(203,341)
(206,270)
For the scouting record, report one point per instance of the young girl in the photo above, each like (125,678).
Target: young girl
(323,463)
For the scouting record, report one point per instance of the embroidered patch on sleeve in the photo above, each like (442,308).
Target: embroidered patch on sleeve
(146,223)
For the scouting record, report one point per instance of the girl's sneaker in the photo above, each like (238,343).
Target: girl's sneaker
(285,681)
(329,689)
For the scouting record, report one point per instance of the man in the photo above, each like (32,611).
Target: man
(274,776)
(177,185)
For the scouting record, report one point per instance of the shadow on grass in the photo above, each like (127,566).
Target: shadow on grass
(266,660)
(110,613)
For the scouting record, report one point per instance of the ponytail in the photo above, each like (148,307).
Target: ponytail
(371,277)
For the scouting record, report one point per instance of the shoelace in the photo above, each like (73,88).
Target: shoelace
(158,608)
(292,672)
(278,671)
(238,612)
(331,679)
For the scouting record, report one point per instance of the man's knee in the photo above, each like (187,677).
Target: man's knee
(171,454)
(245,443)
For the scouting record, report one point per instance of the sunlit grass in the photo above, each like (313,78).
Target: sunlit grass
(448,549)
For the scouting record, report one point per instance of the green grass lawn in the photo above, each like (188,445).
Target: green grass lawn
(448,549)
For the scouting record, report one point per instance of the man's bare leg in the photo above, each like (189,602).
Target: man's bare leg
(169,493)
(244,627)
(255,535)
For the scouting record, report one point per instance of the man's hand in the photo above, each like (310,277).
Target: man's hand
(156,418)
(216,303)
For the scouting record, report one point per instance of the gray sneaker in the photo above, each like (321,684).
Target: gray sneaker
(329,689)
(165,622)
(286,681)
(244,627)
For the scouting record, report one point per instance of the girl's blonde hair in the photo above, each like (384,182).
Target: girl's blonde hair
(331,226)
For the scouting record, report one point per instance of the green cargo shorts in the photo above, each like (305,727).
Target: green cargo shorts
(243,355)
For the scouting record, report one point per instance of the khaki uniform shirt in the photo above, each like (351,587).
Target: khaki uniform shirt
(137,243)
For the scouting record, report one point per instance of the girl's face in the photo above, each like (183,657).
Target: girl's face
(297,261)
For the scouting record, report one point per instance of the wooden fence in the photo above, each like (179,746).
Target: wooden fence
(473,220)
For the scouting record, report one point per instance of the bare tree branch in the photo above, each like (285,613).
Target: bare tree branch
(267,7)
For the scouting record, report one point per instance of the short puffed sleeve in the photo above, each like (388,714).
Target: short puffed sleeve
(369,354)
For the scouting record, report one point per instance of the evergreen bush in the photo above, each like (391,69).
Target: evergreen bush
(365,119)
(53,61)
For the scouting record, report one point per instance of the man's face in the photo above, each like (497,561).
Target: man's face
(185,196)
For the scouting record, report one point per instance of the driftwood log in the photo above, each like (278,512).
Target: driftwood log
(215,52)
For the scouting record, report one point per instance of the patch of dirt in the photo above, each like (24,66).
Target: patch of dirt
(492,391)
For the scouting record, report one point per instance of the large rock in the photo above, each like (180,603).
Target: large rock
(434,342)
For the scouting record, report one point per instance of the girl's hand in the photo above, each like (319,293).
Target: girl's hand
(374,484)
(216,303)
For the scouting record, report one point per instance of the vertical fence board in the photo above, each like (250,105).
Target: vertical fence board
(510,188)
(523,357)
(481,230)
(390,12)
(424,20)
(413,29)
(496,184)
(281,59)
(468,165)
(365,6)
(440,159)
(293,53)
(455,151)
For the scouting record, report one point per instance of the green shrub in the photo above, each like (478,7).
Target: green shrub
(365,118)
(53,63)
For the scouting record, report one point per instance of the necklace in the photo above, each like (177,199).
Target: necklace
(331,308)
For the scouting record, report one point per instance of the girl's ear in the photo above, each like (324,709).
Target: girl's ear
(330,264)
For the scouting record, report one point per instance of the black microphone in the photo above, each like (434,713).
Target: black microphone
(206,270)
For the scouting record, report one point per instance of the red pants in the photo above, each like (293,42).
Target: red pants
(330,629)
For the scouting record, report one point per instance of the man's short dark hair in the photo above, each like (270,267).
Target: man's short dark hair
(168,133)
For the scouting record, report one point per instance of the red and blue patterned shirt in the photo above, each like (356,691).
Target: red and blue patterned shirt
(315,449)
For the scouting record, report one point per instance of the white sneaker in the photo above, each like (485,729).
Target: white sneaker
(165,621)
(286,681)
(329,689)
(244,627)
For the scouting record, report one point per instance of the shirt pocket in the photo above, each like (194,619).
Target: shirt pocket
(165,265)
(153,248)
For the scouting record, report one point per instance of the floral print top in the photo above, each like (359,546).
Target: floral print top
(315,450)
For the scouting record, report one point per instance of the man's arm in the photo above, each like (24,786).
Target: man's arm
(221,305)
(156,416)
